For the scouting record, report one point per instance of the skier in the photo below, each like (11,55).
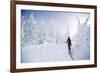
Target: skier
(69,44)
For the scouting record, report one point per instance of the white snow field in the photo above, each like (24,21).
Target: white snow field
(53,52)
(44,34)
(45,53)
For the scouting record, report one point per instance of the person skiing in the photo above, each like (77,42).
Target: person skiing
(69,44)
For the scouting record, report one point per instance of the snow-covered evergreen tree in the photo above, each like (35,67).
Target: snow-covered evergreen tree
(82,38)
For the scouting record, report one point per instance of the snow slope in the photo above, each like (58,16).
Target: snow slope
(53,52)
(45,53)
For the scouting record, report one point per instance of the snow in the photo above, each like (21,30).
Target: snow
(53,52)
(45,53)
(44,35)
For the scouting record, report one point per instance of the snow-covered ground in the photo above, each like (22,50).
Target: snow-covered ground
(53,52)
(44,53)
